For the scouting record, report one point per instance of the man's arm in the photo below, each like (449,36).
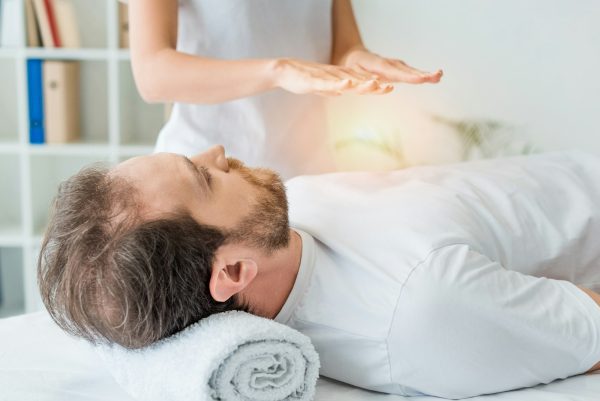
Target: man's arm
(596,297)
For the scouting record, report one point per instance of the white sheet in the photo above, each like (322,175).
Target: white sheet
(39,362)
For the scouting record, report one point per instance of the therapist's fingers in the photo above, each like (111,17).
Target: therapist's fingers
(372,87)
(326,78)
(344,86)
(399,71)
(368,75)
(328,73)
(359,81)
(334,80)
(361,76)
(328,94)
(427,76)
(337,85)
(381,87)
(298,76)
(365,82)
(362,82)
(367,89)
(343,73)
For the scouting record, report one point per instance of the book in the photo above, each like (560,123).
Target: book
(41,16)
(61,101)
(66,19)
(9,27)
(33,33)
(123,25)
(35,100)
(49,5)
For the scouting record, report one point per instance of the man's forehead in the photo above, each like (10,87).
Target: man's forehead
(141,164)
(153,177)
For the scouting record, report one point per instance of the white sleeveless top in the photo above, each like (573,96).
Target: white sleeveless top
(277,129)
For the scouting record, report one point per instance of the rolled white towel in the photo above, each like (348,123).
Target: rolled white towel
(229,356)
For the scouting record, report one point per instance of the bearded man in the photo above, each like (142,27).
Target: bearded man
(452,281)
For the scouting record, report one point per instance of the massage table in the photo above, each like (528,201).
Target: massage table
(39,362)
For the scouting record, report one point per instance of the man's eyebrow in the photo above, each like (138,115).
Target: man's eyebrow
(199,175)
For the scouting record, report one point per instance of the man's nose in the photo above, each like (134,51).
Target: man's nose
(214,157)
(219,157)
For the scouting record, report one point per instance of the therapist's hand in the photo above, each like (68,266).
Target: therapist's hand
(301,77)
(388,70)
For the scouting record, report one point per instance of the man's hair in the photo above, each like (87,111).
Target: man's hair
(107,276)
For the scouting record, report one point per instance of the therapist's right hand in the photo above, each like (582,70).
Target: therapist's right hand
(304,77)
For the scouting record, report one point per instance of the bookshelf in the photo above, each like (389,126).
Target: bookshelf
(116,124)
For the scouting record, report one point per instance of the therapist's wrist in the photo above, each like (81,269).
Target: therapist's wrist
(349,56)
(340,56)
(277,69)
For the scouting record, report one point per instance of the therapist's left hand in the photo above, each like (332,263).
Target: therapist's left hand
(388,70)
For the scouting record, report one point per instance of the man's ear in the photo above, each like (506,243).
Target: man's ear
(231,272)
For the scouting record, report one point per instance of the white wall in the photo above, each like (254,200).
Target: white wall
(532,64)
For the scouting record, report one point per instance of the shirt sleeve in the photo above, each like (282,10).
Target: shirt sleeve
(465,325)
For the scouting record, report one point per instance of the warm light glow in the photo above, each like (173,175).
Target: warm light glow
(370,134)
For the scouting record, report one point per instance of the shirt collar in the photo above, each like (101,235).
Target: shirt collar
(307,262)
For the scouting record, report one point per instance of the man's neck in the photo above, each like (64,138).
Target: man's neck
(276,277)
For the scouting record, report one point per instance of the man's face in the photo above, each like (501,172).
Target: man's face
(248,204)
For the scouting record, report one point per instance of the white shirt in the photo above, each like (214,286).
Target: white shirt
(429,279)
(280,130)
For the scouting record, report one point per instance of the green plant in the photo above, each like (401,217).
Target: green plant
(490,138)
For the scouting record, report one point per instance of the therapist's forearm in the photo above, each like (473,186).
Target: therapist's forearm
(163,74)
(346,35)
(173,76)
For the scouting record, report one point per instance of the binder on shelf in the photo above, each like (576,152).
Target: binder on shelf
(56,22)
(49,5)
(9,27)
(61,101)
(41,16)
(66,19)
(123,26)
(35,100)
(33,33)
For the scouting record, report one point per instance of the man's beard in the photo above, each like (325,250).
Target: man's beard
(267,226)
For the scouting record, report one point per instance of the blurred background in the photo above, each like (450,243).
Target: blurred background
(519,77)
